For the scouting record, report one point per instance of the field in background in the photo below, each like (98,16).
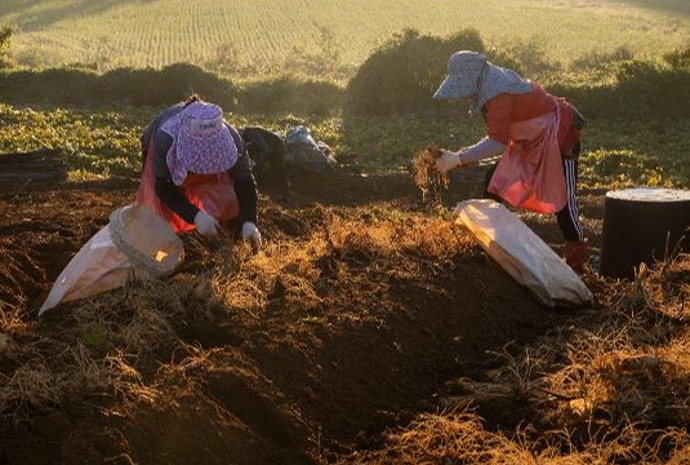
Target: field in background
(672,6)
(244,38)
(105,142)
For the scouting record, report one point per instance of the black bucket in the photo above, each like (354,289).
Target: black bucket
(643,226)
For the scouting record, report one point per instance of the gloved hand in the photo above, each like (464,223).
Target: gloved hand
(206,224)
(447,161)
(251,233)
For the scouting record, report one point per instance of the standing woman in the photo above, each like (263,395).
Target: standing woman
(196,171)
(537,134)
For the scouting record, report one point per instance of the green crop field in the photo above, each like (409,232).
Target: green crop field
(260,37)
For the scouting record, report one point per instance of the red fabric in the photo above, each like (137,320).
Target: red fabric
(506,109)
(212,193)
(530,172)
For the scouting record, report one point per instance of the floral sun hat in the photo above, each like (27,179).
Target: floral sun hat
(202,142)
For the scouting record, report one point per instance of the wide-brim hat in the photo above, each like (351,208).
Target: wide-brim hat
(202,142)
(464,70)
(455,88)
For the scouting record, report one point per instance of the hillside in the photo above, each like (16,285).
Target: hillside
(262,36)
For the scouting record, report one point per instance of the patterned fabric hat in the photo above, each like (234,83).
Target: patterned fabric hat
(202,143)
(464,71)
(471,75)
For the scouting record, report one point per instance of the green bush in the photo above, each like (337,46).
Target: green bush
(622,168)
(139,87)
(642,90)
(133,86)
(179,80)
(56,86)
(679,58)
(5,56)
(288,95)
(596,59)
(528,58)
(171,84)
(402,75)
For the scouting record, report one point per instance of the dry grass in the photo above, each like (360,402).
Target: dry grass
(455,438)
(451,437)
(99,350)
(605,387)
(425,177)
(127,345)
(612,387)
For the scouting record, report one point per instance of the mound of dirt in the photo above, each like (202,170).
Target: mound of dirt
(347,323)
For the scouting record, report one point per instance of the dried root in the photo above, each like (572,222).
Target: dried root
(428,180)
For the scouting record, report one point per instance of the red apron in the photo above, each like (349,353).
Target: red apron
(530,175)
(214,194)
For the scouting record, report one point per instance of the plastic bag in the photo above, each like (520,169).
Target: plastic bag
(136,243)
(521,253)
(307,154)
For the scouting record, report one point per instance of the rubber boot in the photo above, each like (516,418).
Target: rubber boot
(577,255)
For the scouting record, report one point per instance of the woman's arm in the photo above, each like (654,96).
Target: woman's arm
(166,191)
(485,148)
(172,198)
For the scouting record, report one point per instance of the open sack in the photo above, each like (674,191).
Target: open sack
(136,242)
(520,252)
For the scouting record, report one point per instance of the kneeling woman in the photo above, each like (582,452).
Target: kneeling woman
(196,171)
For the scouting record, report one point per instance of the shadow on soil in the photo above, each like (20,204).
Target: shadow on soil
(276,386)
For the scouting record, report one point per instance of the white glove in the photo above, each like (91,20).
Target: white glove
(447,161)
(206,224)
(251,233)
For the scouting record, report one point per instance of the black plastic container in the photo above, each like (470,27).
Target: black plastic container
(642,226)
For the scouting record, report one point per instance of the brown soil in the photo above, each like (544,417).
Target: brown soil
(328,349)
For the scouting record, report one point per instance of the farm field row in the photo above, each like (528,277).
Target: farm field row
(106,142)
(265,36)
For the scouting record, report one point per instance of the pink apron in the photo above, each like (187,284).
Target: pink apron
(212,193)
(530,175)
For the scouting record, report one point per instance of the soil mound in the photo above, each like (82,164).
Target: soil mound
(348,322)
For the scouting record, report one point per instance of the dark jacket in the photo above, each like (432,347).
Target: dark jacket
(268,152)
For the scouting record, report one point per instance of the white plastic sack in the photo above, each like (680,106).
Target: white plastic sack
(146,239)
(137,242)
(520,252)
